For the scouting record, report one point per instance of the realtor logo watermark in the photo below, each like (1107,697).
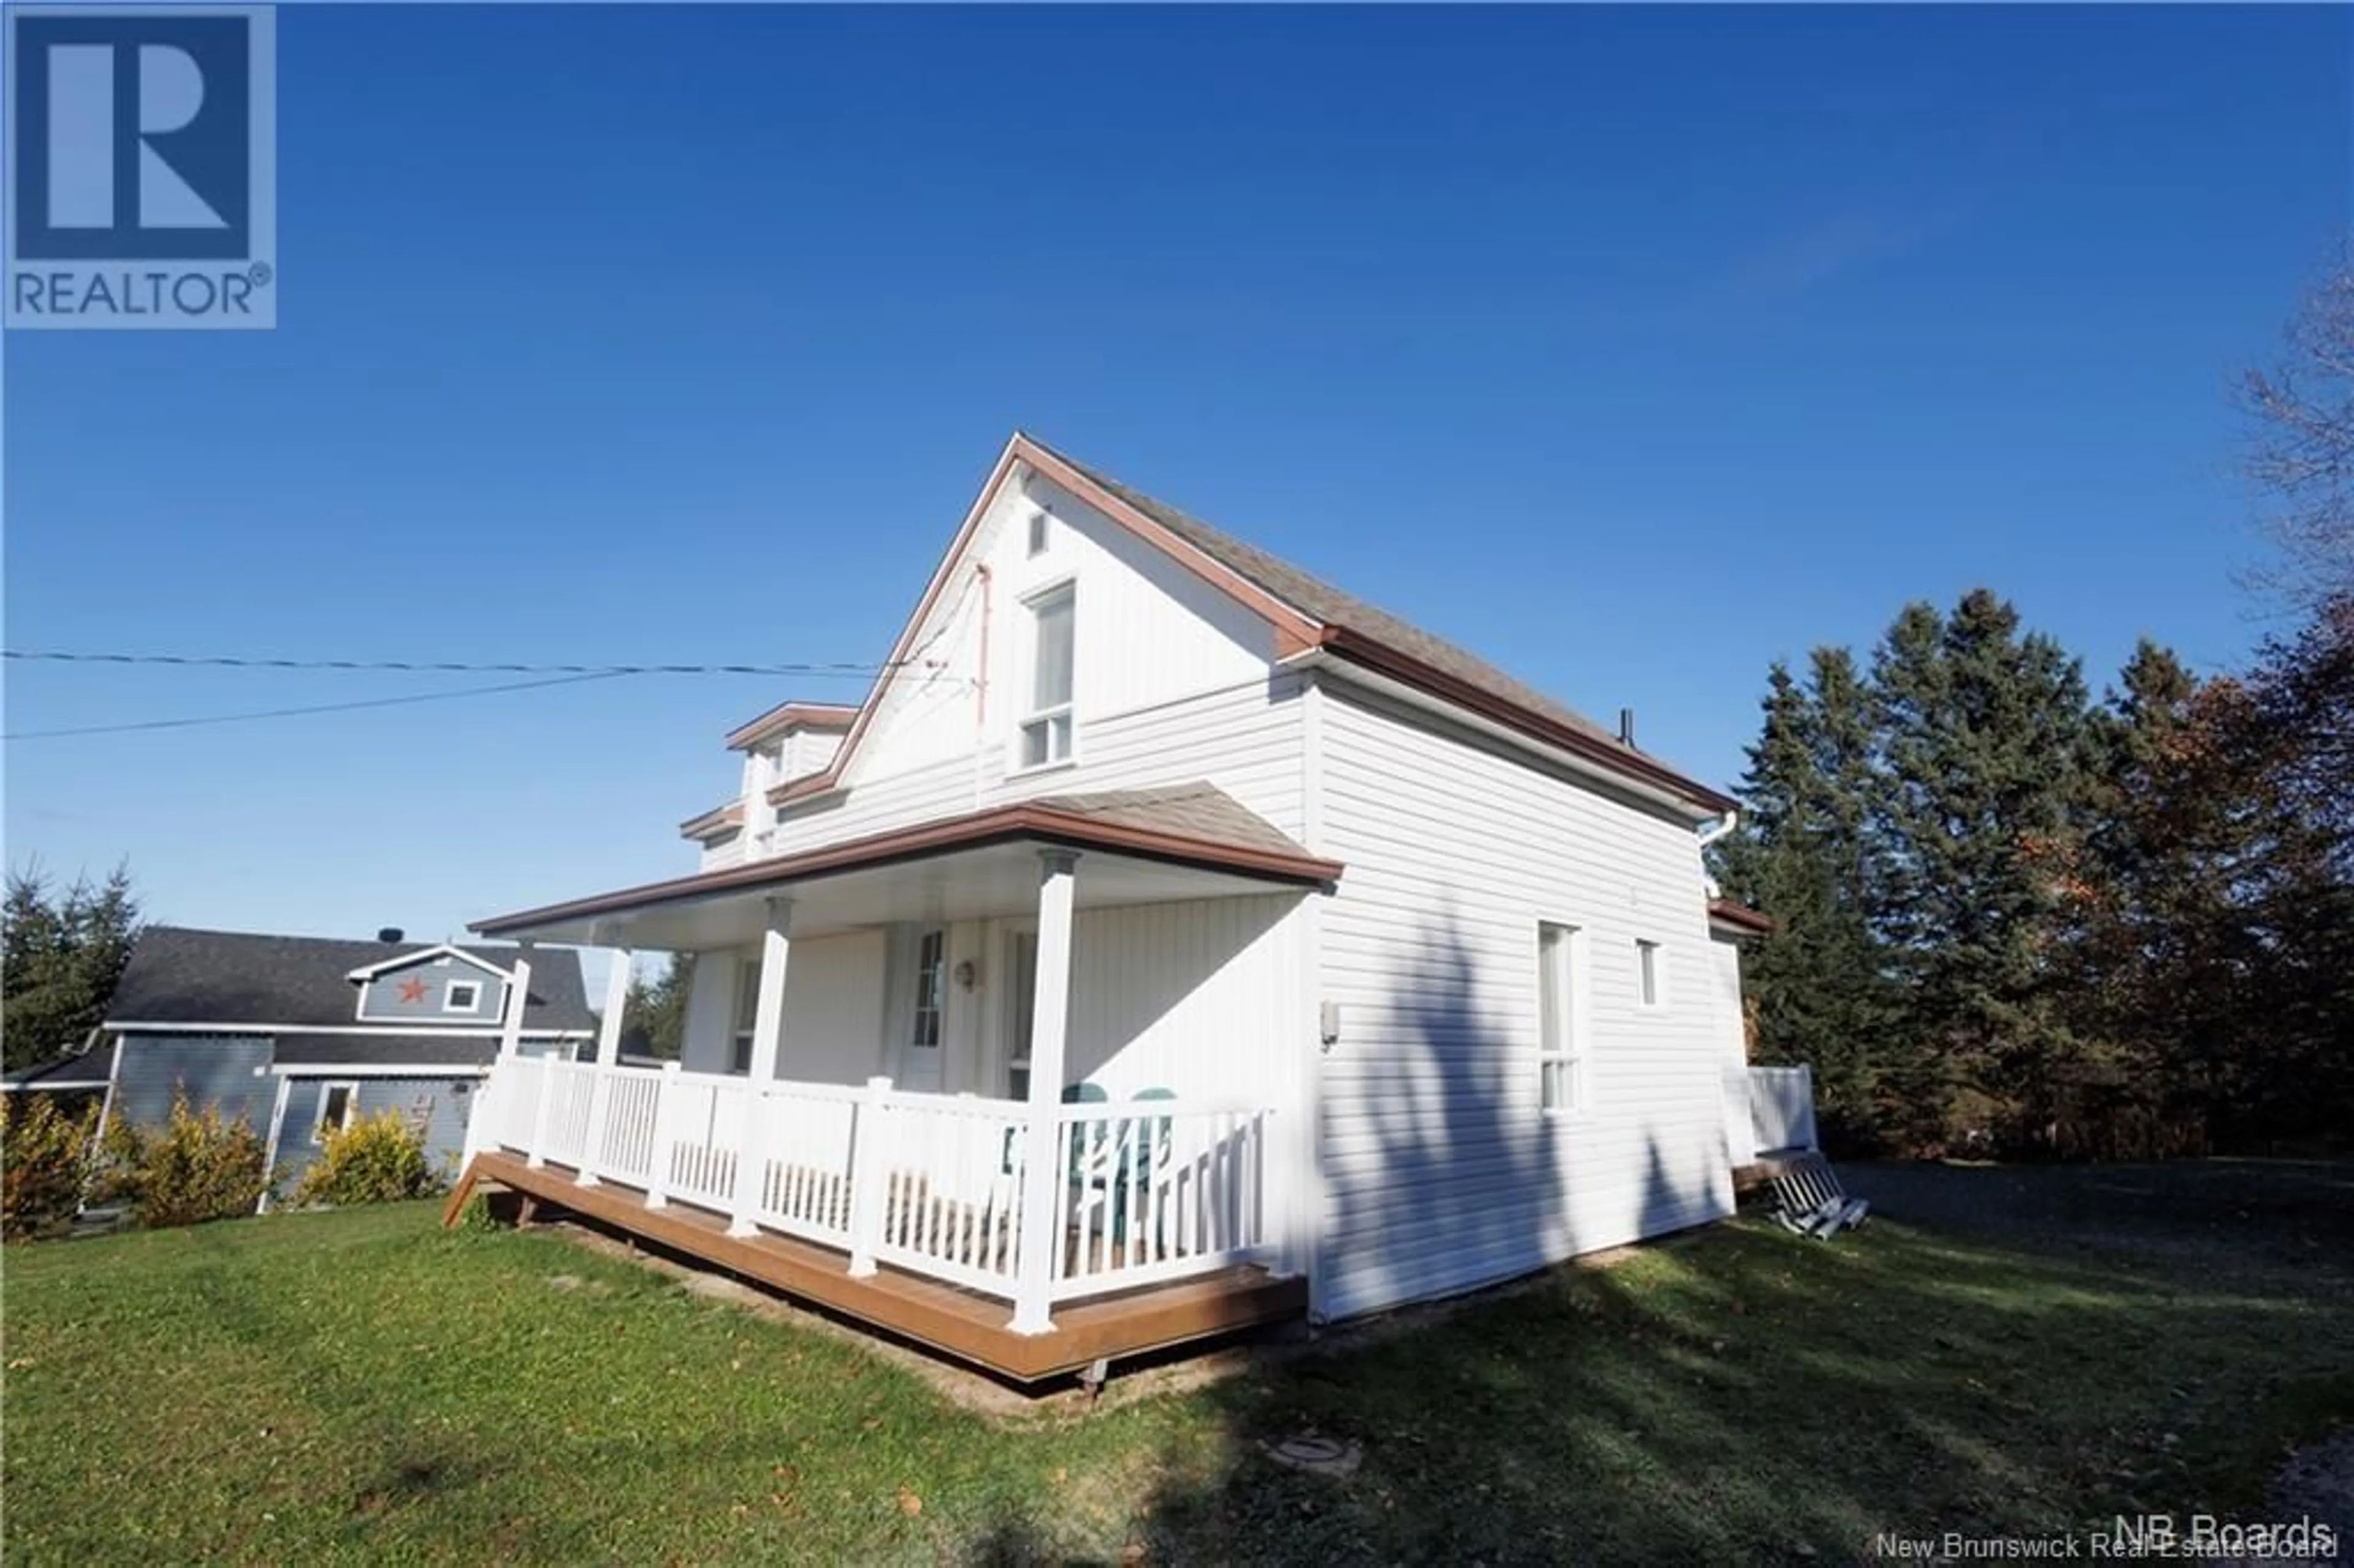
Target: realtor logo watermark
(141,166)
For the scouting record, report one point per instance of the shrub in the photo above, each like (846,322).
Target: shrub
(475,1217)
(198,1166)
(376,1159)
(44,1166)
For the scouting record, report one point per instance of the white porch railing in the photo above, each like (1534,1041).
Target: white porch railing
(1151,1190)
(1159,1189)
(1768,1108)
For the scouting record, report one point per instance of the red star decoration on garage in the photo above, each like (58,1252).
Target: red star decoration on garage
(412,991)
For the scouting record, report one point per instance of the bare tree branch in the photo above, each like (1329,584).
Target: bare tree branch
(2300,450)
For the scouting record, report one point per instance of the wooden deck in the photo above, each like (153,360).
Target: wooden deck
(1769,1163)
(956,1323)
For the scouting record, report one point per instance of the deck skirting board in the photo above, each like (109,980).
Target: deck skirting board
(962,1324)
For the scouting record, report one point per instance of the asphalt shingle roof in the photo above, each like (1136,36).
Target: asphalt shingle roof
(82,1067)
(178,975)
(1196,811)
(425,1050)
(1315,598)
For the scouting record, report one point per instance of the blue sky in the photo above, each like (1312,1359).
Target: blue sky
(1632,349)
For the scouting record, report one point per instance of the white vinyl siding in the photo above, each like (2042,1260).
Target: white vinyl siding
(1441,1170)
(1170,682)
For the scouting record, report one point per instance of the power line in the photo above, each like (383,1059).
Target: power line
(317,708)
(420,666)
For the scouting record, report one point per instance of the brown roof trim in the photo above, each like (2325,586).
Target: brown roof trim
(785,716)
(1385,660)
(1725,912)
(1024,820)
(713,822)
(803,787)
(1295,632)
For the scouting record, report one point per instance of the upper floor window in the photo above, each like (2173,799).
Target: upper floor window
(1648,979)
(1039,524)
(462,996)
(1046,726)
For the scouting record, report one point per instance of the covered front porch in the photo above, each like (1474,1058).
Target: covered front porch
(1027,1085)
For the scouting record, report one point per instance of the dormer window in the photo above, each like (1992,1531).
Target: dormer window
(462,996)
(1046,730)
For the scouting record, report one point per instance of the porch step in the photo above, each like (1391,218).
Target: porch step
(962,1324)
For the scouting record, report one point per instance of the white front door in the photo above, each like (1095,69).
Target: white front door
(919,1051)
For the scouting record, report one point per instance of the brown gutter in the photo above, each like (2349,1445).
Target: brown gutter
(713,822)
(785,716)
(1724,911)
(1023,820)
(1383,658)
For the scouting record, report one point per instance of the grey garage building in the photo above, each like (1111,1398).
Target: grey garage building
(295,1034)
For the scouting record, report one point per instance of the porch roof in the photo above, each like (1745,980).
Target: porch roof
(1144,846)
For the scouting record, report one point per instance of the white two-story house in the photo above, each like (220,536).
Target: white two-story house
(1170,941)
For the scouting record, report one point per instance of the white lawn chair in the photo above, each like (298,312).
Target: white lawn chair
(1808,1199)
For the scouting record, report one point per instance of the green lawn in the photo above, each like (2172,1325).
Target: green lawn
(319,1388)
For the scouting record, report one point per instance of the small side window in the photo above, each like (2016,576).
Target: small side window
(336,1105)
(1039,524)
(462,996)
(1648,967)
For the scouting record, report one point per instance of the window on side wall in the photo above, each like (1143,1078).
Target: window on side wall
(462,996)
(1046,731)
(1561,1042)
(748,1013)
(336,1103)
(1649,973)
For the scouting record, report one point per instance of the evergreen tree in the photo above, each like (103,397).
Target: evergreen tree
(2161,958)
(1976,827)
(60,955)
(1799,855)
(654,1022)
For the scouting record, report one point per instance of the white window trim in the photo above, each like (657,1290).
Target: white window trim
(351,1108)
(1063,587)
(1576,1054)
(474,999)
(1017,1051)
(1655,954)
(741,1032)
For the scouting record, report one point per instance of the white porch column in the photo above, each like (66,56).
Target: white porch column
(1044,1189)
(768,1029)
(518,994)
(609,1057)
(518,999)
